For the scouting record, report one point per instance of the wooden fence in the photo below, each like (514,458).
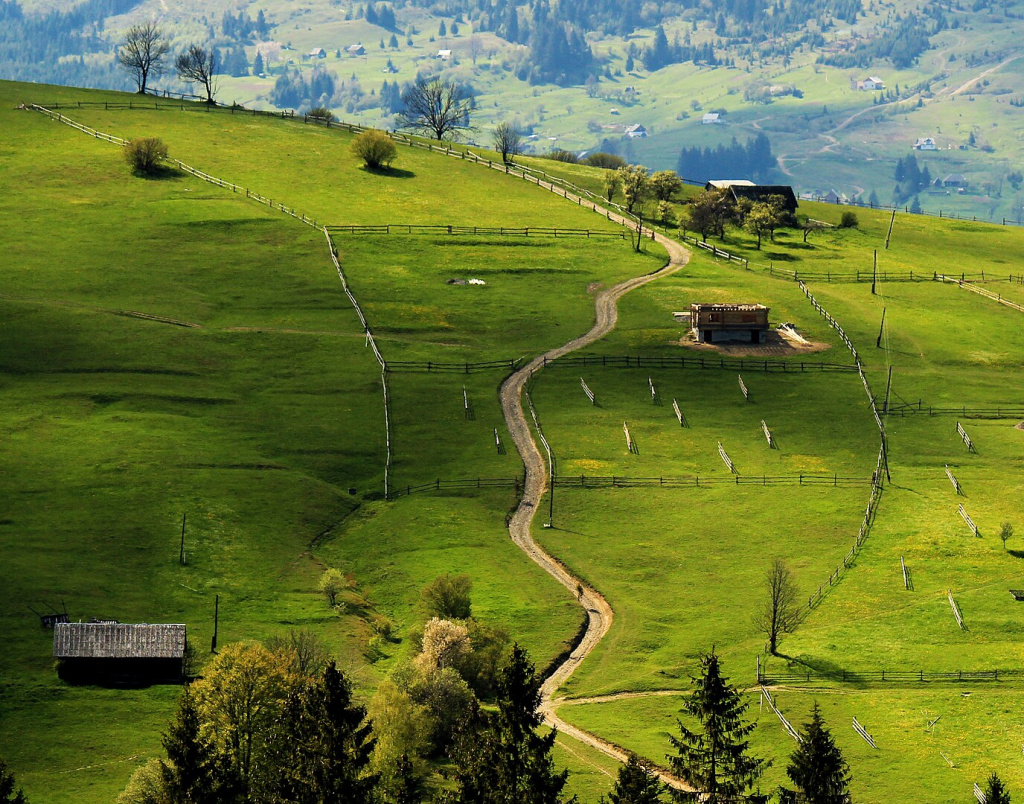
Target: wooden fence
(767,696)
(457,485)
(905,676)
(709,362)
(376,353)
(452,229)
(988,294)
(707,481)
(436,367)
(998,412)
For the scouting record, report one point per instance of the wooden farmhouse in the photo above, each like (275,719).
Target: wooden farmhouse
(715,323)
(119,652)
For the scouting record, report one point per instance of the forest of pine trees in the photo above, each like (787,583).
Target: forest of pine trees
(752,160)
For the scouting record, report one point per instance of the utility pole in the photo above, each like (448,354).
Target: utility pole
(878,341)
(888,385)
(216,622)
(181,553)
(874,273)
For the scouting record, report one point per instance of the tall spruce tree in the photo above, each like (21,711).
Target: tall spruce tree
(995,792)
(817,769)
(500,758)
(7,793)
(636,784)
(715,760)
(195,773)
(324,746)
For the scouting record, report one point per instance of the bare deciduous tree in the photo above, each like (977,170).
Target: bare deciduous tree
(198,64)
(508,142)
(438,106)
(780,612)
(142,53)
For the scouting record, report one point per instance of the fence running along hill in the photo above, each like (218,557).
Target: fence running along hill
(808,676)
(433,366)
(919,408)
(700,362)
(451,229)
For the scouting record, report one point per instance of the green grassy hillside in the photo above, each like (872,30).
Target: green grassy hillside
(168,347)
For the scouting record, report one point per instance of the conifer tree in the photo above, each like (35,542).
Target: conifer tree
(715,760)
(195,772)
(500,758)
(636,784)
(995,792)
(817,769)
(324,745)
(7,794)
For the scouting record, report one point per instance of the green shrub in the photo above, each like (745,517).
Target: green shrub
(321,113)
(561,155)
(849,221)
(605,160)
(375,148)
(145,156)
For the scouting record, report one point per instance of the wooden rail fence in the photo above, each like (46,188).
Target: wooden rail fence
(684,362)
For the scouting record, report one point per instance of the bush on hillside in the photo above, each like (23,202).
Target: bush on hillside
(321,113)
(561,155)
(606,161)
(849,221)
(375,148)
(145,156)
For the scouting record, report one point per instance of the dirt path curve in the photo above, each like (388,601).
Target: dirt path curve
(599,613)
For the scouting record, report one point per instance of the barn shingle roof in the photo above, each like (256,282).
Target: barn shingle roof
(118,641)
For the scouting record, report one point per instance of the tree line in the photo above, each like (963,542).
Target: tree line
(753,159)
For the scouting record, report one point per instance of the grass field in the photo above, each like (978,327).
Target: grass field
(248,400)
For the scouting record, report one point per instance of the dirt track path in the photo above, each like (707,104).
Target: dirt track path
(599,613)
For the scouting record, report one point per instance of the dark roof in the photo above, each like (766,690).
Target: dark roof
(760,192)
(118,641)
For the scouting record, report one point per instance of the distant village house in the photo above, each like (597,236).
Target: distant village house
(318,53)
(868,84)
(715,323)
(635,131)
(955,180)
(925,144)
(356,50)
(711,119)
(109,652)
(444,55)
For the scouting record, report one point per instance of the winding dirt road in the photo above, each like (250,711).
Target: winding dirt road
(599,613)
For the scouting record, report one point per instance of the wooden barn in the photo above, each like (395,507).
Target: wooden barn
(119,652)
(741,188)
(715,323)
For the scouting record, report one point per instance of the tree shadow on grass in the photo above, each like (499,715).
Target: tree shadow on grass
(1016,553)
(161,173)
(781,256)
(389,172)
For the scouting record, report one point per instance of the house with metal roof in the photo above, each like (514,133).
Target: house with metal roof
(112,652)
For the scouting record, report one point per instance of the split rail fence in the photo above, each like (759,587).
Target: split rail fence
(684,362)
(808,676)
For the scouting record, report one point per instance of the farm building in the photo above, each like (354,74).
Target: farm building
(711,119)
(715,323)
(356,50)
(119,652)
(868,84)
(317,53)
(955,180)
(925,144)
(741,188)
(444,55)
(634,131)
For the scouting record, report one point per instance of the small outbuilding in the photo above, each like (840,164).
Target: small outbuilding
(356,50)
(318,53)
(111,652)
(715,323)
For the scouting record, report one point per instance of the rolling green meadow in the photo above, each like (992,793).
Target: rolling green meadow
(169,348)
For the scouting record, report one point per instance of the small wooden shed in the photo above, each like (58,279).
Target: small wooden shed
(715,323)
(120,652)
